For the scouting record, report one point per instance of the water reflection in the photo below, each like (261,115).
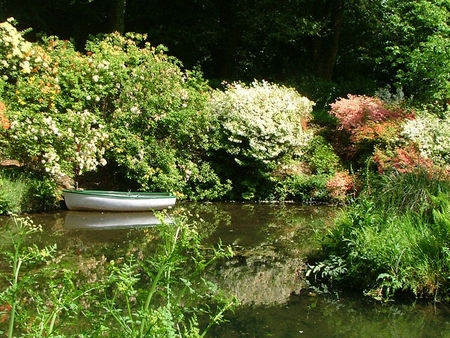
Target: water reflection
(75,220)
(270,242)
(349,316)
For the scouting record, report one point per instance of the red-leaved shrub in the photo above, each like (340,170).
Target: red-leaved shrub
(357,111)
(4,123)
(404,160)
(340,185)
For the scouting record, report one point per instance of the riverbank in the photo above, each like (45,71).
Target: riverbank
(393,241)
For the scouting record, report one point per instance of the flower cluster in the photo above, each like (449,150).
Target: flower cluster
(340,185)
(262,121)
(431,135)
(4,122)
(13,47)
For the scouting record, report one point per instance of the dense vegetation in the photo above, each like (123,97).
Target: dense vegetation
(144,289)
(115,106)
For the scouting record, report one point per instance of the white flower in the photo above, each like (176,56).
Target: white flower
(26,67)
(95,78)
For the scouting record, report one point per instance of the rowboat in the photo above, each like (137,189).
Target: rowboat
(117,201)
(90,220)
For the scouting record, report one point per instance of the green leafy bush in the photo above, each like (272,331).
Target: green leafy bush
(123,101)
(395,238)
(321,157)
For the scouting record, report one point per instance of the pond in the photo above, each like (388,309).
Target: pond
(270,242)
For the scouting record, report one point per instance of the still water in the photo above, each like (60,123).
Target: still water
(270,242)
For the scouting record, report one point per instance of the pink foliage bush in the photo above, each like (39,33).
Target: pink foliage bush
(340,185)
(4,122)
(356,111)
(403,160)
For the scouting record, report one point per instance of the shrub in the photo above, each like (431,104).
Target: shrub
(46,133)
(358,110)
(431,135)
(258,129)
(340,185)
(402,159)
(261,122)
(304,188)
(320,157)
(366,123)
(123,101)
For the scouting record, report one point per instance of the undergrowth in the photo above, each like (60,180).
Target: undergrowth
(394,240)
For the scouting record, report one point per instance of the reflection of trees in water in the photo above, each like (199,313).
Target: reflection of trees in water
(330,317)
(269,240)
(260,279)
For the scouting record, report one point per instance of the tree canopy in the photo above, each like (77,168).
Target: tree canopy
(360,44)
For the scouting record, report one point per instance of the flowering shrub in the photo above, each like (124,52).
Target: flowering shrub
(4,122)
(156,117)
(431,135)
(123,101)
(358,110)
(261,122)
(367,122)
(404,160)
(340,185)
(45,131)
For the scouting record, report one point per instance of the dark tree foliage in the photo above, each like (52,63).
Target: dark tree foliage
(313,44)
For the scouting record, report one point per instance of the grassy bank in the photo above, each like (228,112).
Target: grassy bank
(394,240)
(20,192)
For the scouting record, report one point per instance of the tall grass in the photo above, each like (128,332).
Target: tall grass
(13,192)
(395,238)
(20,193)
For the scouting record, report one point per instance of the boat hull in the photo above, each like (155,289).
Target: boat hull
(117,201)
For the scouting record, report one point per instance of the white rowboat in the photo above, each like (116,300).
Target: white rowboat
(117,201)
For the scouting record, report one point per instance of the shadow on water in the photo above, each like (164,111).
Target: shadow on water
(266,275)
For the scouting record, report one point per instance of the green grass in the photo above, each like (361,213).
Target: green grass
(20,193)
(13,192)
(395,239)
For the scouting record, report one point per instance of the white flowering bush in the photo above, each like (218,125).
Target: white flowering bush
(45,132)
(261,122)
(431,135)
(123,102)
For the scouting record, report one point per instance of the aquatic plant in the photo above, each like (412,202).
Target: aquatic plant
(162,292)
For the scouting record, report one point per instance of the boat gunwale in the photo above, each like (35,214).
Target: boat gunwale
(122,194)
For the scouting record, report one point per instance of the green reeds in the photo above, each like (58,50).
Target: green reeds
(395,239)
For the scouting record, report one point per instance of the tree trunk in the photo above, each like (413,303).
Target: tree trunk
(325,49)
(117,16)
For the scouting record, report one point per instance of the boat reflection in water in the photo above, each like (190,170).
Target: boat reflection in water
(111,220)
